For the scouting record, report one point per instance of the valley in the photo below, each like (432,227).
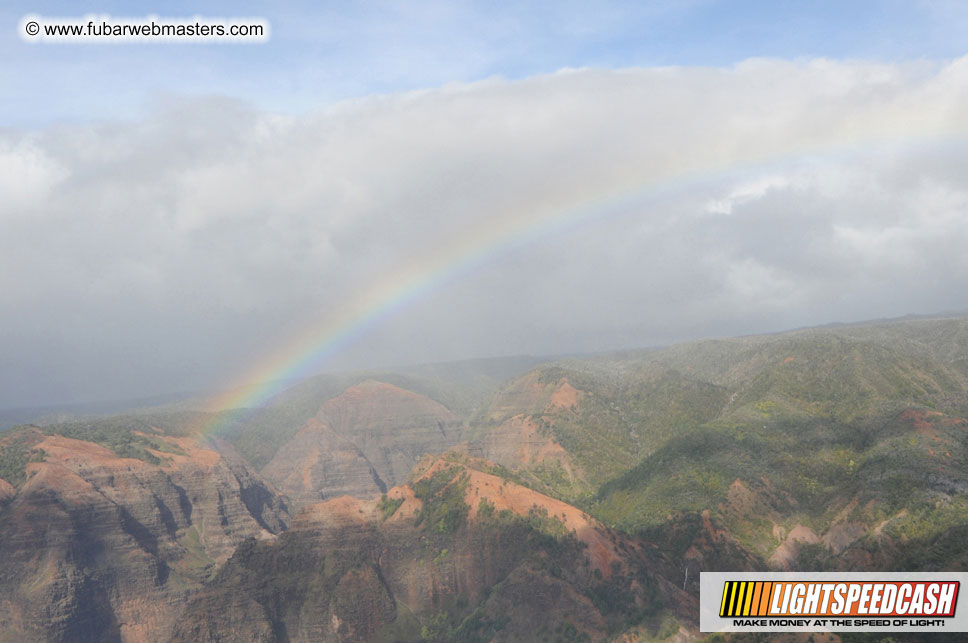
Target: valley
(493,500)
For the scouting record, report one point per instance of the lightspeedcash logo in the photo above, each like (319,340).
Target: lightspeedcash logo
(811,602)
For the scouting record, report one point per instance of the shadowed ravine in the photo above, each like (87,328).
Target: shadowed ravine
(576,500)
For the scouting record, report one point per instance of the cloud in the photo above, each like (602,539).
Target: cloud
(26,175)
(171,252)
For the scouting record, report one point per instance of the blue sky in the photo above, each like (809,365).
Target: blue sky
(321,52)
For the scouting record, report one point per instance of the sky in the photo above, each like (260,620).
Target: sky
(404,182)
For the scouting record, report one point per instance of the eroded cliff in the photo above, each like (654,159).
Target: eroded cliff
(98,547)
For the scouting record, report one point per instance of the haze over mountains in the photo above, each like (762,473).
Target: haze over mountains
(220,258)
(504,500)
(578,209)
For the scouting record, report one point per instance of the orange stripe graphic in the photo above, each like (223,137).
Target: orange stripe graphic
(757,589)
(765,604)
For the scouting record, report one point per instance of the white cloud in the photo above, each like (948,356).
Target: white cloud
(175,249)
(27,175)
(746,192)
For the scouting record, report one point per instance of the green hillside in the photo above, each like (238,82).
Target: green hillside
(842,430)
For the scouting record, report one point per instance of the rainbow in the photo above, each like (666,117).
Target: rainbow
(503,236)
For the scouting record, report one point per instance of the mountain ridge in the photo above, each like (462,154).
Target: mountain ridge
(820,449)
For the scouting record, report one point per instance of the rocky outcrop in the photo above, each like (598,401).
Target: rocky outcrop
(518,432)
(96,547)
(361,443)
(532,393)
(7,492)
(786,554)
(520,566)
(520,442)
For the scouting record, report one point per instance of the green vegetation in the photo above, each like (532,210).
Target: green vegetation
(690,473)
(438,628)
(128,437)
(807,422)
(388,506)
(814,462)
(711,451)
(622,414)
(485,509)
(196,566)
(539,520)
(444,509)
(903,476)
(479,627)
(257,435)
(16,450)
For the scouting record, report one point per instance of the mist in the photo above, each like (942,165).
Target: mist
(174,250)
